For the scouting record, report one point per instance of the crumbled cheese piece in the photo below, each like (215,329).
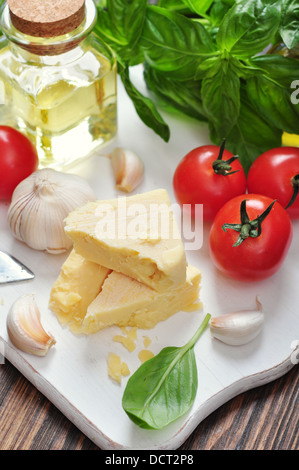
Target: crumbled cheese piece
(125,369)
(116,368)
(145,354)
(127,342)
(146,341)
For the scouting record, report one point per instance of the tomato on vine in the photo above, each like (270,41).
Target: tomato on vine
(208,175)
(275,174)
(250,237)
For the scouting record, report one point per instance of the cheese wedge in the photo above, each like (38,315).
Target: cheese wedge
(123,301)
(77,285)
(88,297)
(136,236)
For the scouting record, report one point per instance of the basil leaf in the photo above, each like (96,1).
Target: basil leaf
(221,99)
(282,70)
(127,17)
(273,102)
(163,388)
(145,108)
(218,10)
(198,6)
(248,27)
(1,3)
(183,96)
(252,134)
(173,43)
(174,5)
(120,24)
(289,29)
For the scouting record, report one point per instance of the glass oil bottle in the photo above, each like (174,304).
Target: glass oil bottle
(57,80)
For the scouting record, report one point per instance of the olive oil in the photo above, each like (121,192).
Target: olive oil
(66,102)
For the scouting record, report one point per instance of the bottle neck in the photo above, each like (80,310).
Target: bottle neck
(50,46)
(28,55)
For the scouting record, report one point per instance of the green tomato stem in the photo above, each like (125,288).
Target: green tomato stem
(295,184)
(248,228)
(223,167)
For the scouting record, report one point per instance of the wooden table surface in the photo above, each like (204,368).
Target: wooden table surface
(264,418)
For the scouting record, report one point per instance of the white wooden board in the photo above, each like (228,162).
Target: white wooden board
(74,376)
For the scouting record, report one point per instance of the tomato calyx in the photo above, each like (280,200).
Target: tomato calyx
(248,228)
(295,184)
(223,167)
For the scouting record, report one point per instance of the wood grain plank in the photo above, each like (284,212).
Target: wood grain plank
(264,418)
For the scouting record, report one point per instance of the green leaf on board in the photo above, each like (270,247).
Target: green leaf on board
(163,388)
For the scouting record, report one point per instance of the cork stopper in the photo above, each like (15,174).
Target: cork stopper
(46,18)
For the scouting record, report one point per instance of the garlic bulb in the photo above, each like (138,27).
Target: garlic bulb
(25,329)
(127,167)
(238,328)
(40,204)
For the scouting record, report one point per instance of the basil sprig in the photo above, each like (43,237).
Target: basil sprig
(163,388)
(205,59)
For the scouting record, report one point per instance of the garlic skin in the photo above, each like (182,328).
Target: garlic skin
(128,169)
(39,205)
(25,329)
(238,328)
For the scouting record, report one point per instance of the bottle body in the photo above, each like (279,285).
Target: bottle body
(66,103)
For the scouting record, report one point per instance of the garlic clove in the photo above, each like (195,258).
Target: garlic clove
(128,169)
(39,205)
(238,328)
(25,329)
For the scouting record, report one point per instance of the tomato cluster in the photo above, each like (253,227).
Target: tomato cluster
(251,228)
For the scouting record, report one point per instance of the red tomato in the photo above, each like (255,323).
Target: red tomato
(198,181)
(275,173)
(18,159)
(258,256)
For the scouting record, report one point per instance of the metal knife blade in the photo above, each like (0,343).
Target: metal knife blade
(12,270)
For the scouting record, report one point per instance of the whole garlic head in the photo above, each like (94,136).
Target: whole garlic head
(39,205)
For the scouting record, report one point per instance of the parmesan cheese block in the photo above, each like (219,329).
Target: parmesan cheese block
(77,285)
(123,301)
(136,236)
(88,297)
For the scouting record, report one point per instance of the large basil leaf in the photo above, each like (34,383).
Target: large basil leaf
(145,107)
(252,135)
(163,388)
(289,28)
(183,96)
(221,99)
(173,43)
(248,27)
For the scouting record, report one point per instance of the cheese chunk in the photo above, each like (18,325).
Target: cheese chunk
(88,298)
(123,301)
(136,236)
(76,287)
